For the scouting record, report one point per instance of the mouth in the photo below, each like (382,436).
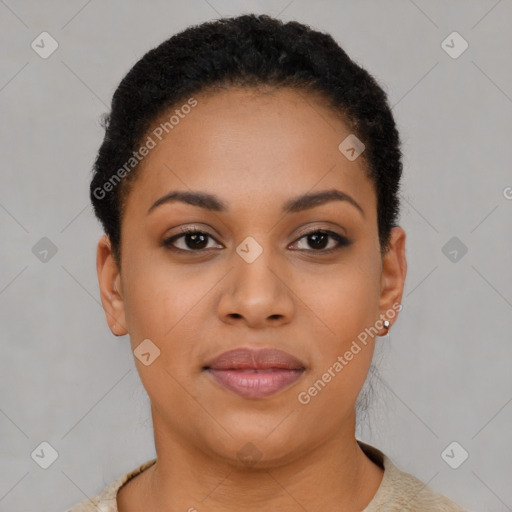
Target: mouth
(252,373)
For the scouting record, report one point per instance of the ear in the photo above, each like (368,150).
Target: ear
(109,280)
(394,270)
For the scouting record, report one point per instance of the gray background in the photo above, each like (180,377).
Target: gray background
(445,368)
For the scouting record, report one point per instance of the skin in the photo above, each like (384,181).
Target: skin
(255,151)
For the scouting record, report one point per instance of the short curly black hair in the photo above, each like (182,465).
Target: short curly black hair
(248,50)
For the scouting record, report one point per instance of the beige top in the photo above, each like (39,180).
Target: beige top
(398,491)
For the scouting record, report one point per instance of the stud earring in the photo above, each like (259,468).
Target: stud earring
(386,324)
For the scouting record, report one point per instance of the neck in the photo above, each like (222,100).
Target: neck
(336,475)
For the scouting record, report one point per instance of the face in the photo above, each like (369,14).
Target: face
(307,280)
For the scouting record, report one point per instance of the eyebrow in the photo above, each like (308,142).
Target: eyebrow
(294,205)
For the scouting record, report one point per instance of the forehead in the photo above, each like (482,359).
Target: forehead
(248,144)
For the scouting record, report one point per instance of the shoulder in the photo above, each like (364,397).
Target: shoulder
(106,500)
(401,491)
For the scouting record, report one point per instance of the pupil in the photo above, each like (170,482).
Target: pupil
(315,237)
(196,242)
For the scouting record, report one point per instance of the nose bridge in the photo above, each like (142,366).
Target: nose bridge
(257,291)
(255,265)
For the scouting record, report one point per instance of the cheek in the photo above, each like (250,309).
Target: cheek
(344,306)
(166,304)
(343,345)
(344,300)
(159,309)
(154,295)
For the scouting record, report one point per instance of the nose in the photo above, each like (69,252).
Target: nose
(258,294)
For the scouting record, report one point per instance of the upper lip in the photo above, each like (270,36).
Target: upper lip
(258,359)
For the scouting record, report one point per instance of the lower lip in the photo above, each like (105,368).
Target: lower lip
(255,383)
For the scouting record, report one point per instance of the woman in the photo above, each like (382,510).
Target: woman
(248,188)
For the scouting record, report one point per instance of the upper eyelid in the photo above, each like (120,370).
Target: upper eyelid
(207,230)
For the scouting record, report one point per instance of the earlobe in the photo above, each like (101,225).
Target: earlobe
(109,280)
(394,271)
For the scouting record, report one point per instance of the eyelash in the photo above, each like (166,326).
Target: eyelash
(341,240)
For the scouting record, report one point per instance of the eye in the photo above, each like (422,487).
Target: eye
(195,239)
(318,239)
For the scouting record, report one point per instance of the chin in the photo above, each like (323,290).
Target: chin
(254,448)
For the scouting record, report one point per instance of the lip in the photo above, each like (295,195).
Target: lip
(255,373)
